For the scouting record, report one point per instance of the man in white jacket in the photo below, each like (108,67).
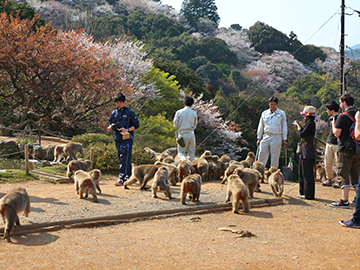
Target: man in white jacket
(272,131)
(185,121)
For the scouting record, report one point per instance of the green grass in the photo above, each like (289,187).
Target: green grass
(16,176)
(55,169)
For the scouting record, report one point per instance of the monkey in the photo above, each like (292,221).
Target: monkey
(75,165)
(270,171)
(192,170)
(321,172)
(221,168)
(173,174)
(225,158)
(59,153)
(230,170)
(276,181)
(84,183)
(206,153)
(203,169)
(168,160)
(212,158)
(192,185)
(194,163)
(213,170)
(71,149)
(184,169)
(151,152)
(250,177)
(95,176)
(248,162)
(143,174)
(168,152)
(259,166)
(161,182)
(13,203)
(239,191)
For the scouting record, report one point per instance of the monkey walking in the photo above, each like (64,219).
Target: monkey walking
(276,181)
(84,184)
(248,162)
(230,170)
(75,165)
(192,185)
(59,153)
(250,177)
(161,182)
(238,190)
(184,169)
(71,149)
(270,171)
(143,174)
(13,203)
(95,176)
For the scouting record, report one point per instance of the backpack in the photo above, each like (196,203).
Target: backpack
(352,133)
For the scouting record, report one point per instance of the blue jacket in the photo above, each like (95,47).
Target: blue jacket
(129,119)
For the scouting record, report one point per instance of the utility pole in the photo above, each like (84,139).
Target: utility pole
(342,49)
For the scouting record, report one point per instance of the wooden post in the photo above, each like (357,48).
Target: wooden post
(92,156)
(26,159)
(39,135)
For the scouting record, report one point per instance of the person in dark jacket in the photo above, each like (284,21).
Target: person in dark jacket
(307,156)
(123,121)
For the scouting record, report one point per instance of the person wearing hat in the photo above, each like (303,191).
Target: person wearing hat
(123,121)
(307,155)
(271,132)
(348,162)
(185,121)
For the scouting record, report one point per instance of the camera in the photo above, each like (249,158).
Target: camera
(115,127)
(294,123)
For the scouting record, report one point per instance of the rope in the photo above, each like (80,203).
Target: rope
(12,153)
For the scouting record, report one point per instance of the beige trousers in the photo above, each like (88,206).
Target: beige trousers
(189,148)
(330,159)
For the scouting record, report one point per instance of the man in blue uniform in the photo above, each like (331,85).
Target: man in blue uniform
(123,121)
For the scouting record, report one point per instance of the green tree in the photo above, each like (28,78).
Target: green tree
(217,51)
(193,10)
(210,73)
(110,27)
(239,81)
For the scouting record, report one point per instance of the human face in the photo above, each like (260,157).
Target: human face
(119,104)
(342,104)
(273,106)
(332,112)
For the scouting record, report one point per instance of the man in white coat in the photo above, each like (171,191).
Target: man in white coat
(272,131)
(185,121)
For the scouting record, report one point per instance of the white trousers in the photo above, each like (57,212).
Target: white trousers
(330,159)
(189,148)
(270,145)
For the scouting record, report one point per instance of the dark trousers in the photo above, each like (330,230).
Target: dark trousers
(356,215)
(306,178)
(124,151)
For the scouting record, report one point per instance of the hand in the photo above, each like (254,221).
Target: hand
(109,128)
(285,143)
(357,116)
(258,142)
(122,129)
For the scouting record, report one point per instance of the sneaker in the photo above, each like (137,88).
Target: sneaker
(119,182)
(327,183)
(349,224)
(340,204)
(353,201)
(336,186)
(301,196)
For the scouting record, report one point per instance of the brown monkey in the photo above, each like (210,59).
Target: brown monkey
(71,149)
(248,162)
(184,169)
(225,158)
(161,182)
(250,177)
(238,190)
(203,169)
(151,152)
(270,171)
(259,166)
(75,165)
(95,176)
(192,185)
(213,170)
(84,183)
(168,160)
(221,168)
(192,170)
(13,203)
(143,174)
(173,174)
(230,170)
(194,163)
(206,153)
(59,153)
(168,152)
(321,172)
(276,181)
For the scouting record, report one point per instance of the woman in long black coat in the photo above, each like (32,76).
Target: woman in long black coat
(307,157)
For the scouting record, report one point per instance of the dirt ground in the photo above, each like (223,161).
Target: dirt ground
(299,234)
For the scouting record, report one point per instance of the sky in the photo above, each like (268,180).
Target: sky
(306,18)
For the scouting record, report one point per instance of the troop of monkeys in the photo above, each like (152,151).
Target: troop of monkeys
(242,180)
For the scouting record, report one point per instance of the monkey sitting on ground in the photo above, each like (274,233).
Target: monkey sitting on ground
(230,170)
(184,169)
(95,176)
(213,170)
(276,181)
(143,174)
(206,153)
(221,168)
(75,165)
(259,166)
(59,153)
(225,158)
(320,170)
(84,184)
(248,162)
(151,152)
(168,160)
(192,185)
(238,190)
(161,182)
(168,152)
(250,177)
(71,149)
(13,203)
(202,168)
